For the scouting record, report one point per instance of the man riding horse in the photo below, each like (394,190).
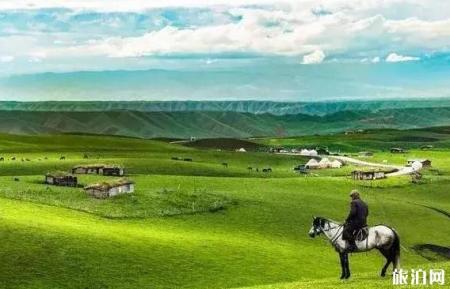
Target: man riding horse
(356,220)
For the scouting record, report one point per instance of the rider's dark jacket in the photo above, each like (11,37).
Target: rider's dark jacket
(359,211)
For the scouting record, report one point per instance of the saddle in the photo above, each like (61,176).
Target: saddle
(361,234)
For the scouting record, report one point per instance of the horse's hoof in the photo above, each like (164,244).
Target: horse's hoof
(383,274)
(347,276)
(342,277)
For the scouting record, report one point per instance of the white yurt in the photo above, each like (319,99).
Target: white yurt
(336,164)
(312,164)
(304,152)
(324,163)
(313,153)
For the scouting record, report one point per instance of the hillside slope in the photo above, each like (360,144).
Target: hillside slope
(215,124)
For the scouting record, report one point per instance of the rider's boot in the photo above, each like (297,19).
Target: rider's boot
(351,246)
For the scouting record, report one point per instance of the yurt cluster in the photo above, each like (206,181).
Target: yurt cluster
(324,163)
(104,189)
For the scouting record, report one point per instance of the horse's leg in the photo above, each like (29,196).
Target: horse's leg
(341,258)
(388,257)
(347,266)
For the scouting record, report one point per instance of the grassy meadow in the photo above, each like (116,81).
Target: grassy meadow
(201,224)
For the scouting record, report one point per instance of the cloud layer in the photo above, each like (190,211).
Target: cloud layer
(68,35)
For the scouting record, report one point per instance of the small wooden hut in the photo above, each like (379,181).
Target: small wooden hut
(368,175)
(99,169)
(110,189)
(61,179)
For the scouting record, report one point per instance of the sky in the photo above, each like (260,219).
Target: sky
(289,50)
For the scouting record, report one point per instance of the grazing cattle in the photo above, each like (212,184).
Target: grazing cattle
(175,158)
(27,160)
(45,158)
(2,159)
(13,158)
(250,168)
(267,170)
(62,158)
(257,169)
(16,179)
(188,160)
(85,156)
(225,165)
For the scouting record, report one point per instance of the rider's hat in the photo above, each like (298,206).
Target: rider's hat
(354,194)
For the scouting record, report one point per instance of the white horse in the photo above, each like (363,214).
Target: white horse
(379,237)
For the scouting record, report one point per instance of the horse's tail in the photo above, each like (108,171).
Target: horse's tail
(395,250)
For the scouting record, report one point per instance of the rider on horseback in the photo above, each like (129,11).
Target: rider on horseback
(356,220)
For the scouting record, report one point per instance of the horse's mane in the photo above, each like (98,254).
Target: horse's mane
(331,220)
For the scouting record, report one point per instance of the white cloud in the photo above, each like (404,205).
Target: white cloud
(394,57)
(315,57)
(6,58)
(351,29)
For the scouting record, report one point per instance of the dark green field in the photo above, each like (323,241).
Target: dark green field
(201,224)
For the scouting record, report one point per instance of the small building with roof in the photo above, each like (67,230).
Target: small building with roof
(60,178)
(368,175)
(108,189)
(425,162)
(99,169)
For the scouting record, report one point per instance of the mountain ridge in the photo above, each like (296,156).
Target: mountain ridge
(245,106)
(215,124)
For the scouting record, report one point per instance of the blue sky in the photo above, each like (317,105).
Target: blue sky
(275,50)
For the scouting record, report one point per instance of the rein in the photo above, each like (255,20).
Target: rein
(337,235)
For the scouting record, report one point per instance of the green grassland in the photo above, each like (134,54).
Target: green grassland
(199,224)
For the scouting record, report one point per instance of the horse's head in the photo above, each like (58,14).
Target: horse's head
(317,226)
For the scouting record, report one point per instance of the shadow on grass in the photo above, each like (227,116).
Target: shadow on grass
(432,252)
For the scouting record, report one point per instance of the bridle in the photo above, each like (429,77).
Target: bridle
(338,232)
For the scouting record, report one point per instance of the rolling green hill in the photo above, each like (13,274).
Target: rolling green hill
(207,124)
(198,224)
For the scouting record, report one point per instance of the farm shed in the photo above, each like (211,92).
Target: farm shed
(424,162)
(110,189)
(368,175)
(61,179)
(106,170)
(312,164)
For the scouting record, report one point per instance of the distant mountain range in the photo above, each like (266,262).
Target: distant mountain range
(254,107)
(215,119)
